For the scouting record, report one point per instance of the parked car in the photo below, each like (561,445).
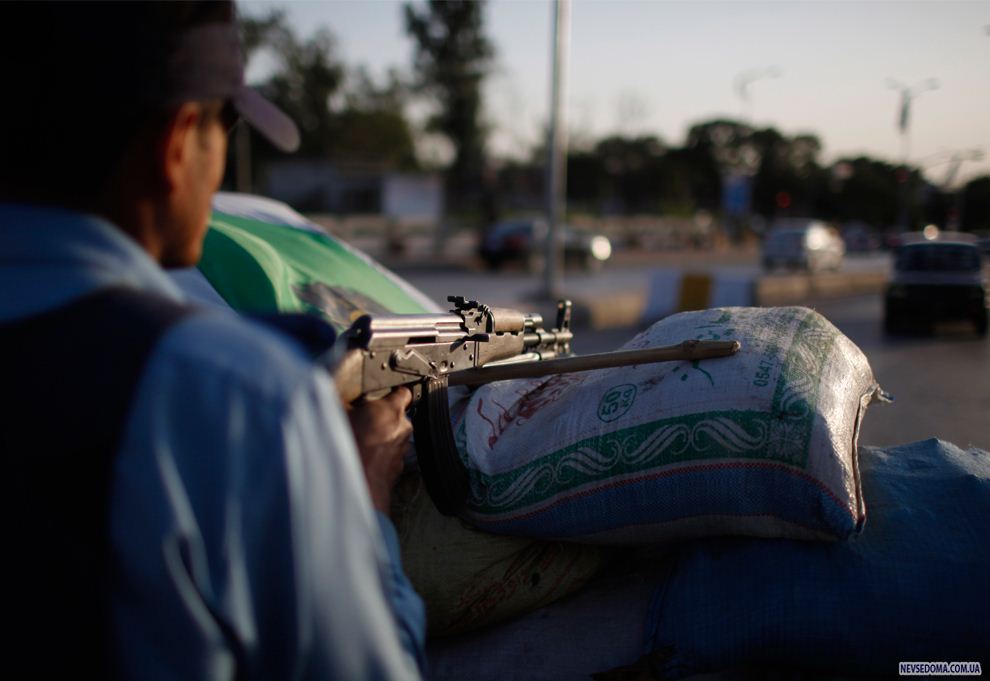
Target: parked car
(936,280)
(522,242)
(802,244)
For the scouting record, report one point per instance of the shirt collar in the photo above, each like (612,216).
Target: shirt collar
(51,256)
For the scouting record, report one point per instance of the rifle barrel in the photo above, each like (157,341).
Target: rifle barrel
(688,350)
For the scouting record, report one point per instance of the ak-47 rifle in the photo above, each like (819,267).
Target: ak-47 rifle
(473,345)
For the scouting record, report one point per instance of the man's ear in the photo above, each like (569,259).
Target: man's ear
(175,145)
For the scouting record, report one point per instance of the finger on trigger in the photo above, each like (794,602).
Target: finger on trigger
(402,396)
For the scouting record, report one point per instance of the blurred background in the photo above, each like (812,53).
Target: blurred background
(686,133)
(736,112)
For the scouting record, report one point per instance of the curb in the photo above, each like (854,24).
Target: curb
(609,311)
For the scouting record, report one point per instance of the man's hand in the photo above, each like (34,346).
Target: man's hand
(382,433)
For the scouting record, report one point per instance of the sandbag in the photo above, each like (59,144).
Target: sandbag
(762,443)
(469,579)
(911,587)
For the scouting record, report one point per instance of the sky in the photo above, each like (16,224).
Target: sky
(659,66)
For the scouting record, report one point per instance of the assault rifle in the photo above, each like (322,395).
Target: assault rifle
(473,345)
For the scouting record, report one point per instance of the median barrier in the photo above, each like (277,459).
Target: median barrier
(799,288)
(608,311)
(781,290)
(671,291)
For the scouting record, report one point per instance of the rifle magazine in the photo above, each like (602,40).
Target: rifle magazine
(444,474)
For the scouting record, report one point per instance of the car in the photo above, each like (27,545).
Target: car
(933,233)
(805,244)
(521,241)
(936,280)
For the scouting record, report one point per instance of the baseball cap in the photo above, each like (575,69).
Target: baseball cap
(205,63)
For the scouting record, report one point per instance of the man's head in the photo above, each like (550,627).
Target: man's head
(122,109)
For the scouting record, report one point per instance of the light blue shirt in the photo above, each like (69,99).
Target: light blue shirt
(241,526)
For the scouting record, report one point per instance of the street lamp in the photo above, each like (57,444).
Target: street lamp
(908,93)
(557,153)
(744,80)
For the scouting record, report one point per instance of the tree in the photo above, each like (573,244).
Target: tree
(309,75)
(786,177)
(372,125)
(452,58)
(634,172)
(714,149)
(342,113)
(976,204)
(789,179)
(869,192)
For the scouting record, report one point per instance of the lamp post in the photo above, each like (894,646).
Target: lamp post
(747,78)
(557,153)
(908,94)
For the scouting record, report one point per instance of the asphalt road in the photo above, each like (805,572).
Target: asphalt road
(514,287)
(940,382)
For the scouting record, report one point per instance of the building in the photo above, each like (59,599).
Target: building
(321,186)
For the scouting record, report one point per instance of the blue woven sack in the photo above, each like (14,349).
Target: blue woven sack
(912,586)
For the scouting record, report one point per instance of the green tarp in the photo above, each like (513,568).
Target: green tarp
(259,266)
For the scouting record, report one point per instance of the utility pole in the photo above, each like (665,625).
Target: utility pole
(556,182)
(908,94)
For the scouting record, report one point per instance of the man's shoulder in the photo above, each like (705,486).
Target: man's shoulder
(222,348)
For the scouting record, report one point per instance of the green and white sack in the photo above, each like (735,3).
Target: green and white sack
(762,443)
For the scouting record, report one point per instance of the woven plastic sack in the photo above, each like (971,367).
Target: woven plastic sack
(911,587)
(469,579)
(762,443)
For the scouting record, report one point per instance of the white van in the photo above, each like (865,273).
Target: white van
(806,244)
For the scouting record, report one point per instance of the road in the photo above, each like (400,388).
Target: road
(513,287)
(940,383)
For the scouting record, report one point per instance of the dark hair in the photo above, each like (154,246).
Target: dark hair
(73,74)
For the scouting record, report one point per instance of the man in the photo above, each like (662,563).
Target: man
(183,498)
